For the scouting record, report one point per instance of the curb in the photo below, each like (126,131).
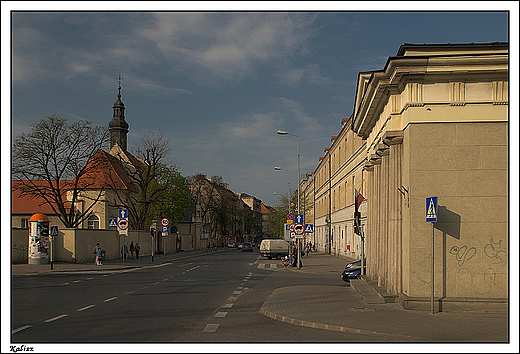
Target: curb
(334,328)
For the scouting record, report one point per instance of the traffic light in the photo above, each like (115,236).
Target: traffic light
(357,223)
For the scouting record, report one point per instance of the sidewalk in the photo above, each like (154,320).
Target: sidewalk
(359,309)
(108,266)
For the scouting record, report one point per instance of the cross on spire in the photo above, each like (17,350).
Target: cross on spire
(119,78)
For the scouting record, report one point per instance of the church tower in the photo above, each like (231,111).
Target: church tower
(118,126)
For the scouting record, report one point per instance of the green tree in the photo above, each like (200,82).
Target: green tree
(159,189)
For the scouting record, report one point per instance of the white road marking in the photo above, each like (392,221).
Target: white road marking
(130,292)
(238,292)
(76,281)
(20,329)
(65,284)
(211,327)
(112,298)
(85,308)
(156,283)
(55,318)
(227,306)
(232,298)
(240,287)
(221,314)
(144,287)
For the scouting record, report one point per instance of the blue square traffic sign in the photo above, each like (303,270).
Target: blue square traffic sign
(431,209)
(123,214)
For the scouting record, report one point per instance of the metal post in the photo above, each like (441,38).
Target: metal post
(52,237)
(362,252)
(433,272)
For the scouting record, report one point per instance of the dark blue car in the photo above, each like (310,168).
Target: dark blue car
(351,273)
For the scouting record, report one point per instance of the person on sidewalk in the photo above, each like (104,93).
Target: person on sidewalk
(97,252)
(132,250)
(137,249)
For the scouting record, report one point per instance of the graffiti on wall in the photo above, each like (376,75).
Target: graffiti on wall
(495,251)
(487,281)
(20,250)
(463,253)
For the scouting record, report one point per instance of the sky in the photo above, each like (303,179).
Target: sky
(220,84)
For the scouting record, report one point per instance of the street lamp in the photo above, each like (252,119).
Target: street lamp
(283,132)
(281,169)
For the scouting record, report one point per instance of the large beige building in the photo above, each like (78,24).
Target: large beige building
(432,123)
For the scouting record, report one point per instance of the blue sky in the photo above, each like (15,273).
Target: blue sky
(220,84)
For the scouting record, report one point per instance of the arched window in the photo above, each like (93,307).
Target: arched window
(93,222)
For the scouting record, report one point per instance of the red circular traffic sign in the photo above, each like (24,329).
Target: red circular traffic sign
(165,222)
(299,229)
(122,224)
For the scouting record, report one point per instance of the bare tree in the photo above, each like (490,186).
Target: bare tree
(52,164)
(158,190)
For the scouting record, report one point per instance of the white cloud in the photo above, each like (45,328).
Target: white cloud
(310,73)
(227,45)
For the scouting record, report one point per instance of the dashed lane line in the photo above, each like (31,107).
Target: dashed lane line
(85,308)
(211,327)
(221,314)
(19,329)
(112,298)
(227,306)
(55,318)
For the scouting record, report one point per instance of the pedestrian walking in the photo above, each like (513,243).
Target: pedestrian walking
(307,248)
(137,249)
(132,250)
(124,251)
(97,252)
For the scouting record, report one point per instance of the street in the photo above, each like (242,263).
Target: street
(212,298)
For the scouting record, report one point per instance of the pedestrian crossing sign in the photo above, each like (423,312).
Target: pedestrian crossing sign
(431,209)
(112,222)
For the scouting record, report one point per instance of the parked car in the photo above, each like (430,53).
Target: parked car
(247,246)
(351,273)
(240,245)
(356,264)
(231,245)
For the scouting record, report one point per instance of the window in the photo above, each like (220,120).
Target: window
(25,224)
(93,222)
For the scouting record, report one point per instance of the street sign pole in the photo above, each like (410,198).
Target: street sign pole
(433,272)
(431,216)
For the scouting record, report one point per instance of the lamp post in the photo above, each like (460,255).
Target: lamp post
(282,132)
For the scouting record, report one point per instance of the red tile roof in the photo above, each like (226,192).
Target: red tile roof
(106,171)
(102,171)
(21,203)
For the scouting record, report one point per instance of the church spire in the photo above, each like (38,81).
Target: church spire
(118,126)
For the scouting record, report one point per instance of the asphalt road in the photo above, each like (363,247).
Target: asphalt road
(212,298)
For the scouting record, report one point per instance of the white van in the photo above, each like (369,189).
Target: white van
(274,248)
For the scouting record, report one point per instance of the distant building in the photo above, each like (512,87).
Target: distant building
(266,225)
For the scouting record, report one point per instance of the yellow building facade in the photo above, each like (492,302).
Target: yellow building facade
(432,122)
